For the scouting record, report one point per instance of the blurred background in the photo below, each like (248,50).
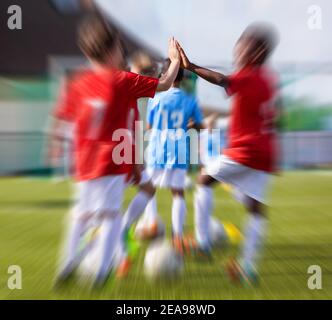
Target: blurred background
(35,59)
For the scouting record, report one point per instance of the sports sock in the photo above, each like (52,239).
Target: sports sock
(203,203)
(254,235)
(178,215)
(76,230)
(135,209)
(151,211)
(108,242)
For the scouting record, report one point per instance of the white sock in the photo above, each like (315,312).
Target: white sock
(178,215)
(76,230)
(108,242)
(254,235)
(151,211)
(203,203)
(135,209)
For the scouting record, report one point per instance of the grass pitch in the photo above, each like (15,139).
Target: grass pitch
(32,215)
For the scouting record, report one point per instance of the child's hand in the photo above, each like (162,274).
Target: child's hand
(173,52)
(185,62)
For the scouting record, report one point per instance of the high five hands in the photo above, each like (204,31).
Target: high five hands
(185,62)
(176,52)
(173,52)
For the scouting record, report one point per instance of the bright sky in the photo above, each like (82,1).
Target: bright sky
(208,30)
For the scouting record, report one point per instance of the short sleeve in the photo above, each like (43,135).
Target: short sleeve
(141,86)
(196,114)
(237,83)
(65,108)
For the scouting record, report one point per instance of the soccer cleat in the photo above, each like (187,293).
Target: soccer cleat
(178,245)
(64,276)
(190,245)
(124,268)
(238,274)
(102,279)
(204,254)
(186,245)
(131,245)
(150,232)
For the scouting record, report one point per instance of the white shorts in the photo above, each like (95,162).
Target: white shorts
(168,178)
(250,182)
(100,194)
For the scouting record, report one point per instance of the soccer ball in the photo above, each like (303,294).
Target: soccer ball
(89,266)
(90,262)
(218,235)
(147,231)
(162,261)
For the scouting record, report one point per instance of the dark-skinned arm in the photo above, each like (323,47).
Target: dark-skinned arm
(211,76)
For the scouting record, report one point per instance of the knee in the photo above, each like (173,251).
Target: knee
(177,193)
(255,207)
(149,189)
(109,214)
(80,216)
(204,180)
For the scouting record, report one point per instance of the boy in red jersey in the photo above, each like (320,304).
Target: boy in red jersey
(98,102)
(249,160)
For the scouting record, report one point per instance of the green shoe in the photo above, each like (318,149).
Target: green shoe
(131,244)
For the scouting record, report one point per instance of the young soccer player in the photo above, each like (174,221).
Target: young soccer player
(98,102)
(168,116)
(141,64)
(250,157)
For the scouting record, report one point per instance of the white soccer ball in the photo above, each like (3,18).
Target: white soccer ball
(217,232)
(144,227)
(162,261)
(89,266)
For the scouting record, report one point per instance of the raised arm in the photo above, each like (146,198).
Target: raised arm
(167,80)
(211,76)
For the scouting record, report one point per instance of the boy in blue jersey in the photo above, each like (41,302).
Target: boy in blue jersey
(168,152)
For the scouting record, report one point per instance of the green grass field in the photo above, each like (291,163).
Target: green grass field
(32,216)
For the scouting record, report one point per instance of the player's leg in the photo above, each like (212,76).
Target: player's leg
(133,213)
(78,222)
(77,227)
(151,212)
(138,204)
(255,231)
(179,211)
(254,183)
(150,225)
(245,269)
(108,240)
(203,204)
(110,191)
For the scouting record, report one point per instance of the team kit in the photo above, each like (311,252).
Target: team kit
(102,105)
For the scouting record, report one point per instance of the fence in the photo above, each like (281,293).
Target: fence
(23,151)
(306,149)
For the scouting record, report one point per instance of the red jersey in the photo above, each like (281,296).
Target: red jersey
(99,104)
(252,137)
